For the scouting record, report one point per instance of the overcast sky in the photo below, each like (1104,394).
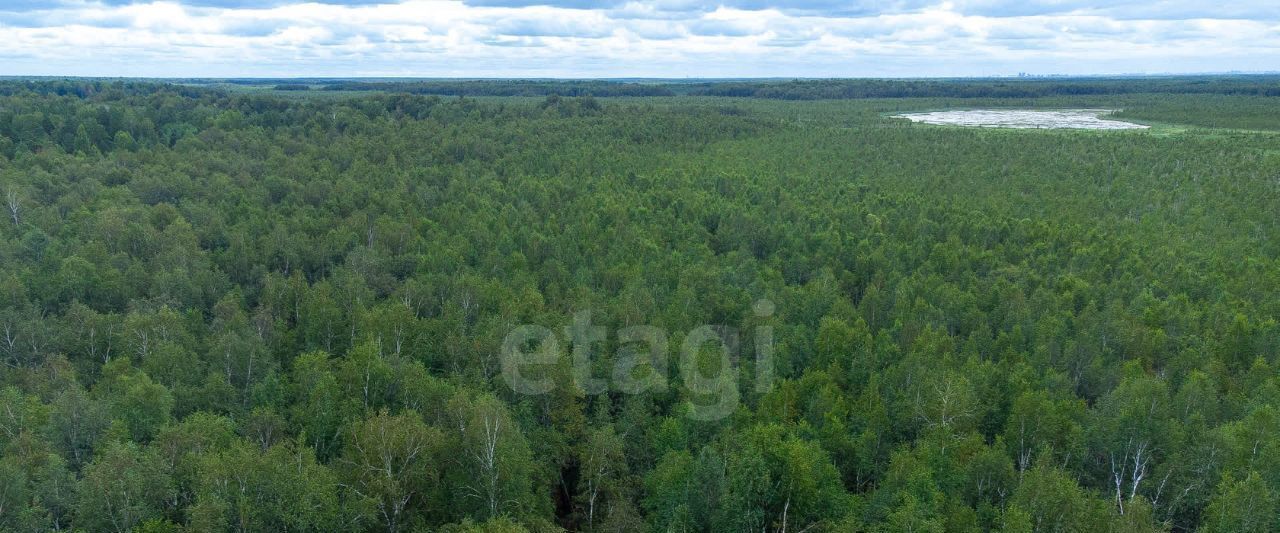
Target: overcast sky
(621,38)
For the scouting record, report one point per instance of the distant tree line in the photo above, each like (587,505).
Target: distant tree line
(837,88)
(508,88)
(985,88)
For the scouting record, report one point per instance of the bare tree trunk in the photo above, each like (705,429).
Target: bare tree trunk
(489,461)
(11,200)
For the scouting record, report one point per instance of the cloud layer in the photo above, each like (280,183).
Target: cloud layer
(621,38)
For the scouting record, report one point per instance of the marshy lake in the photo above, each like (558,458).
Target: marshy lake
(1089,119)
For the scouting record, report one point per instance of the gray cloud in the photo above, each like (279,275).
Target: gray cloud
(720,28)
(254,28)
(515,42)
(531,27)
(788,42)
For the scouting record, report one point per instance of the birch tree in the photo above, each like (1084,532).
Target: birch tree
(490,469)
(390,463)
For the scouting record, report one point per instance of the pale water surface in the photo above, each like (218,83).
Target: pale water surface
(1090,119)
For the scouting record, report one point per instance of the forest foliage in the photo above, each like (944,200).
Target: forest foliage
(226,311)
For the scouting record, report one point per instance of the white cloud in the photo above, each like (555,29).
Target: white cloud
(670,38)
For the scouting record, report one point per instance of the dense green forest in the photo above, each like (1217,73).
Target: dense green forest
(229,310)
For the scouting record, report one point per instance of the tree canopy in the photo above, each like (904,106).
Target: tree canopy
(229,310)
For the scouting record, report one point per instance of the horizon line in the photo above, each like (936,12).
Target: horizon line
(1018,76)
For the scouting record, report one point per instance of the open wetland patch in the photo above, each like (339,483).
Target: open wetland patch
(1089,119)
